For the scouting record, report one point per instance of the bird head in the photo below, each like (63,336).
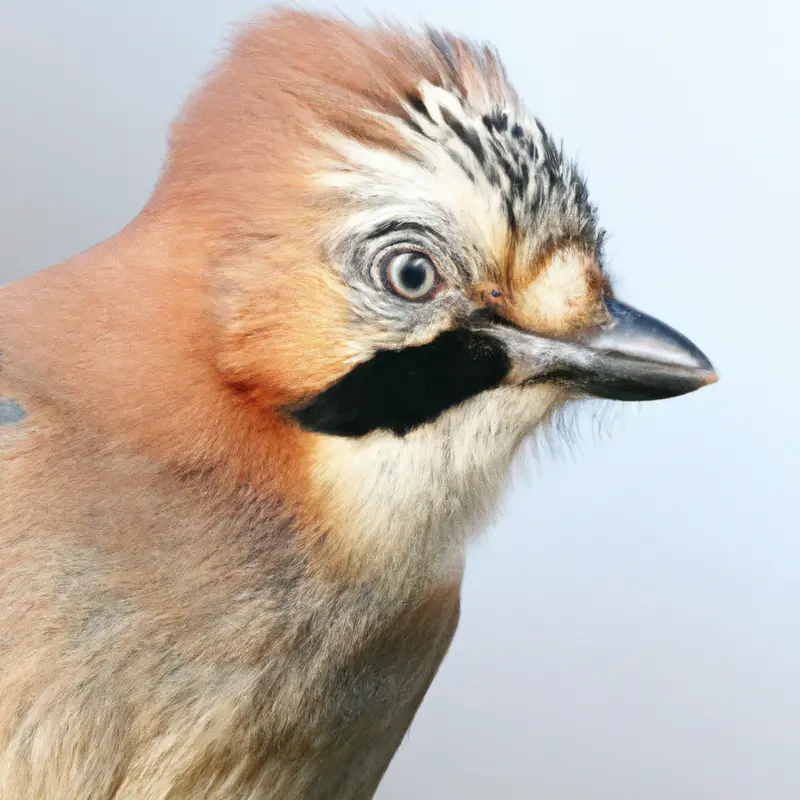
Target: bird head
(406,265)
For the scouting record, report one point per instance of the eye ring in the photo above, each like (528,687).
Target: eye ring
(410,274)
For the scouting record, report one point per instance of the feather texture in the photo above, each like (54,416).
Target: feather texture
(202,598)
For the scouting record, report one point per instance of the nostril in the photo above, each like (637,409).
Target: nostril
(490,295)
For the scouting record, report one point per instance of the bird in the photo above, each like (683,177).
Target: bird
(246,440)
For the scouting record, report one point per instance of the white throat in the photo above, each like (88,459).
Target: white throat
(410,504)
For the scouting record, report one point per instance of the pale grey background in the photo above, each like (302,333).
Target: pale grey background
(630,628)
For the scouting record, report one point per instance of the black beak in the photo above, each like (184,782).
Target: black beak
(632,357)
(637,357)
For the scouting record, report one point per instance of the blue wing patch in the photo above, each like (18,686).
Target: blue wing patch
(11,412)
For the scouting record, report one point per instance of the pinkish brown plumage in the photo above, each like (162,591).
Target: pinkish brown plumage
(243,443)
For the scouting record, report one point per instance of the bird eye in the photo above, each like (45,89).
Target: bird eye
(410,275)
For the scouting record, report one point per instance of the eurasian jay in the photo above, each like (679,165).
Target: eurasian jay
(244,441)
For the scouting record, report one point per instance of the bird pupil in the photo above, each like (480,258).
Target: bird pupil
(413,275)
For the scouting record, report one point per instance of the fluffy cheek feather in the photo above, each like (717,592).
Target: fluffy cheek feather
(283,320)
(405,506)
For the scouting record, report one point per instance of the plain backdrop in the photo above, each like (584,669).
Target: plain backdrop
(630,626)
